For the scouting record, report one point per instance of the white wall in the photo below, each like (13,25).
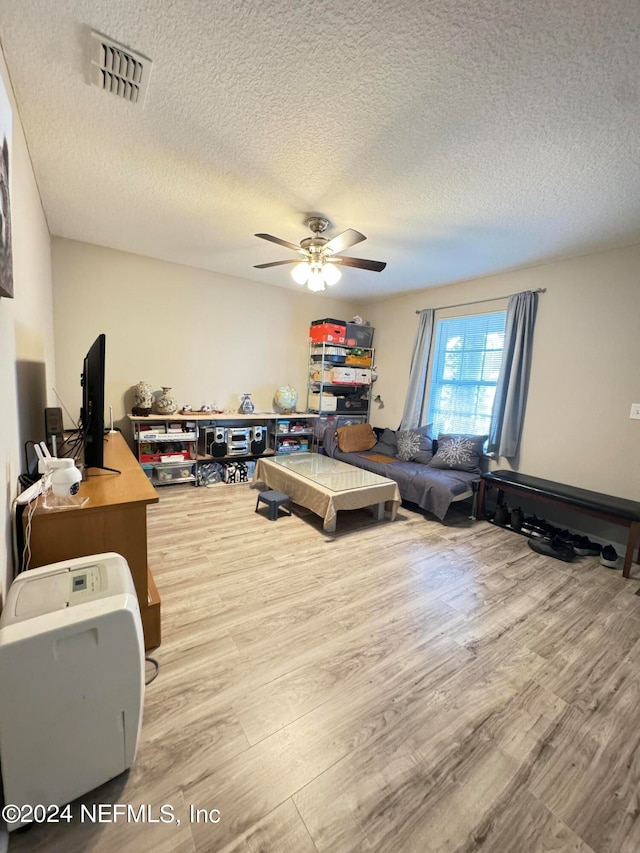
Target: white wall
(26,329)
(586,366)
(208,336)
(213,337)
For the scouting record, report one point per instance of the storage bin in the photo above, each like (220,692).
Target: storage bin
(347,420)
(329,332)
(146,458)
(343,375)
(359,336)
(147,467)
(322,423)
(171,472)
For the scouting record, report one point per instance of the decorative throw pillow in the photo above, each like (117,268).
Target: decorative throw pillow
(415,445)
(459,452)
(387,443)
(352,439)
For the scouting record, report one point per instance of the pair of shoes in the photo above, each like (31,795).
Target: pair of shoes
(539,525)
(583,546)
(565,536)
(502,516)
(553,547)
(609,558)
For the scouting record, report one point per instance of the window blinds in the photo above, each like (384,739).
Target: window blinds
(466,362)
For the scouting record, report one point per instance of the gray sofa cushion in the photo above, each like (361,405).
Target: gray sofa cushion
(387,443)
(415,445)
(459,452)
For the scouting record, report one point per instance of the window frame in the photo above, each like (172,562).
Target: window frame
(459,314)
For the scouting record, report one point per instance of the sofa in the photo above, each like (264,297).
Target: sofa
(430,473)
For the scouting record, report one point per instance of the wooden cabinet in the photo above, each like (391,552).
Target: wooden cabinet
(114,518)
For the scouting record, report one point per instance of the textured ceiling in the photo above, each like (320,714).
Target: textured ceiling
(462,138)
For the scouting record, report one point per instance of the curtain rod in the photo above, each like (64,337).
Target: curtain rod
(479,301)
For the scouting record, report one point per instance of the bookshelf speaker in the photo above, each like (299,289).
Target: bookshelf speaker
(218,441)
(258,439)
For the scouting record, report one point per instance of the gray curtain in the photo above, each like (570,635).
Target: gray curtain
(414,403)
(513,381)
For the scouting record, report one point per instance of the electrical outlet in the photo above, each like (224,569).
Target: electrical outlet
(635,411)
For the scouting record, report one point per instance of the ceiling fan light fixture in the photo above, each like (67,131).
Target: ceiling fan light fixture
(316,280)
(301,272)
(331,274)
(321,256)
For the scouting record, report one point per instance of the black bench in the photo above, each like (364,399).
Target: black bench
(606,507)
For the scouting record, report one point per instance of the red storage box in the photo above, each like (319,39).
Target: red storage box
(149,457)
(333,333)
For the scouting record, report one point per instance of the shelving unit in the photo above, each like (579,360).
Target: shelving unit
(293,433)
(233,438)
(340,379)
(166,449)
(206,439)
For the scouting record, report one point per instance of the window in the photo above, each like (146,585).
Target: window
(466,363)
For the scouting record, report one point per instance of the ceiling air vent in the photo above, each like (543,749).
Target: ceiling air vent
(118,70)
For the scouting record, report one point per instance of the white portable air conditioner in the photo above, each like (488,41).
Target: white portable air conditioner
(72,680)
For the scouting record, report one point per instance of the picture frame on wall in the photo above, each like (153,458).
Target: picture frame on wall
(6,243)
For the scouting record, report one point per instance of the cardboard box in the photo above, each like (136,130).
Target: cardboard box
(343,375)
(329,403)
(321,376)
(328,332)
(358,360)
(363,375)
(354,405)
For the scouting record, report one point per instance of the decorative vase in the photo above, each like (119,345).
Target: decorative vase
(166,404)
(246,406)
(143,395)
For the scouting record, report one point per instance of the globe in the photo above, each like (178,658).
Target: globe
(286,398)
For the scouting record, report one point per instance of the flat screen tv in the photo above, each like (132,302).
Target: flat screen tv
(92,413)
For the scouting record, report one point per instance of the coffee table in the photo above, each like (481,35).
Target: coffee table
(326,485)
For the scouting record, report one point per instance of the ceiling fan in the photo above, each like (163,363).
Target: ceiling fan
(318,265)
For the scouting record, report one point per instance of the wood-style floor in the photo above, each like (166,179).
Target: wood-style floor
(405,687)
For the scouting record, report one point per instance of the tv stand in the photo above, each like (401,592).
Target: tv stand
(113,519)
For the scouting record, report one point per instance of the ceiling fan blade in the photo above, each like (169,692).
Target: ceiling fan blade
(279,241)
(360,263)
(276,264)
(344,240)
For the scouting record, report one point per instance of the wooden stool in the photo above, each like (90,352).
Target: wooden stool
(274,500)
